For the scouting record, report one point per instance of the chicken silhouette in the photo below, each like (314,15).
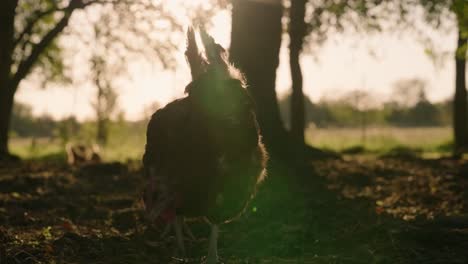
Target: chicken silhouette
(204,156)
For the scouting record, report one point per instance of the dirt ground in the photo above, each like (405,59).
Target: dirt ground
(351,210)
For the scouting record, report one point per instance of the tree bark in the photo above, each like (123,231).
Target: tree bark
(7,18)
(6,107)
(297,28)
(255,44)
(460,114)
(102,131)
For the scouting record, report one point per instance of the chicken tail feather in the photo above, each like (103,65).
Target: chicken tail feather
(196,62)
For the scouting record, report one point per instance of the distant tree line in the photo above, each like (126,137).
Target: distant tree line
(343,112)
(25,124)
(340,112)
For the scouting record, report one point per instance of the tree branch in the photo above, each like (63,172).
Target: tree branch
(32,22)
(26,64)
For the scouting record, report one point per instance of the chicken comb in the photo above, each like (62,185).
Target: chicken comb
(195,60)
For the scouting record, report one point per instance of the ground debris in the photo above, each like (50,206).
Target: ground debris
(57,214)
(403,188)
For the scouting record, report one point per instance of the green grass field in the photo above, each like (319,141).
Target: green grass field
(47,149)
(382,139)
(126,144)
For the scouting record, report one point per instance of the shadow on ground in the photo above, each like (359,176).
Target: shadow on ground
(332,211)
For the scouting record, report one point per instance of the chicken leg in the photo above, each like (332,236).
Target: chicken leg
(178,228)
(212,257)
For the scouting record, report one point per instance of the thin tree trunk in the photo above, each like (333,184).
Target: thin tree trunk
(297,29)
(102,131)
(460,114)
(7,17)
(255,44)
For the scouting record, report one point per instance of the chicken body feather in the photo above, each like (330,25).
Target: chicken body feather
(204,156)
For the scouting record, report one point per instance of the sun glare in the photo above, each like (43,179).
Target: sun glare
(220,21)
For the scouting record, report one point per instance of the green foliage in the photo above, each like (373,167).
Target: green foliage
(66,128)
(33,20)
(422,114)
(23,123)
(39,25)
(328,17)
(51,66)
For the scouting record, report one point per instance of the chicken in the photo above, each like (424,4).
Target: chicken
(204,155)
(78,154)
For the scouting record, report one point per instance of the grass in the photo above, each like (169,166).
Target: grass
(119,149)
(126,144)
(382,139)
(38,149)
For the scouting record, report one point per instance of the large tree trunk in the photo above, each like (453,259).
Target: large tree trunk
(7,89)
(255,44)
(297,28)
(10,81)
(6,107)
(460,114)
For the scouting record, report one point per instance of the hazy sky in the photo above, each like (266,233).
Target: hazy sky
(344,63)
